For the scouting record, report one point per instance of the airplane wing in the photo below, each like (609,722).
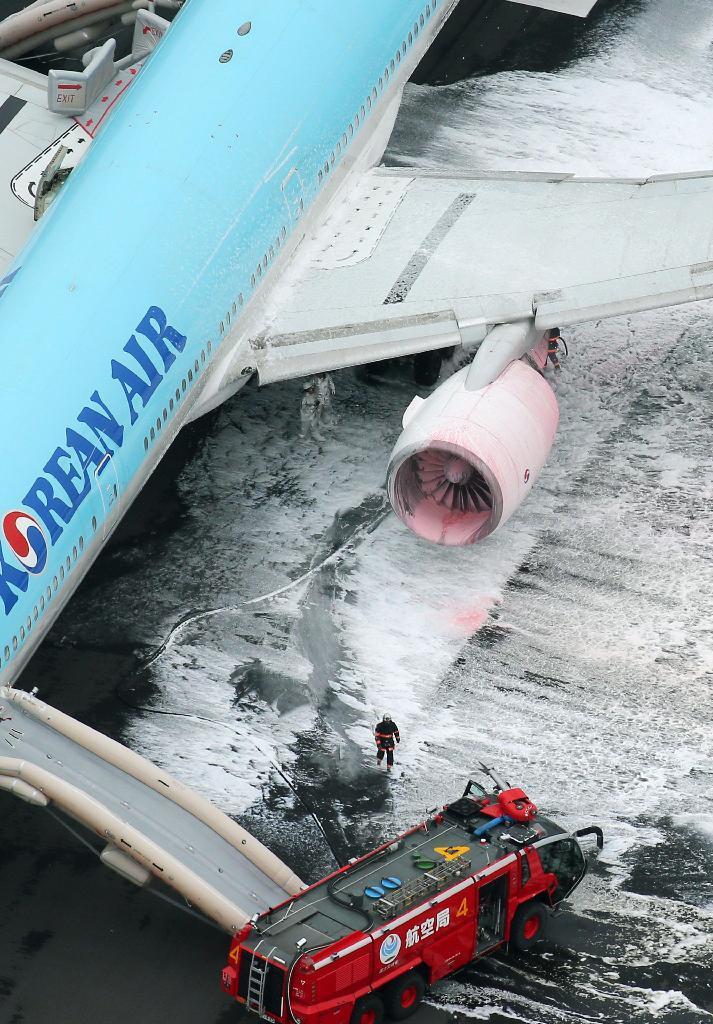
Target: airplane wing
(27,131)
(31,134)
(418,260)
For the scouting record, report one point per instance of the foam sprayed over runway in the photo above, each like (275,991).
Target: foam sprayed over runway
(573,650)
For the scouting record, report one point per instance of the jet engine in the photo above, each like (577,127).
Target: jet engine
(467,458)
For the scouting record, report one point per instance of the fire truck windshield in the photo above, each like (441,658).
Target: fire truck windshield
(564,859)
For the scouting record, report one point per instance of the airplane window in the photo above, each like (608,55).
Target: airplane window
(170,406)
(403,47)
(235,309)
(415,28)
(351,130)
(245,28)
(22,632)
(264,261)
(165,415)
(158,424)
(393,66)
(14,643)
(178,395)
(428,10)
(386,74)
(259,270)
(398,56)
(222,327)
(42,603)
(209,346)
(35,613)
(197,366)
(252,280)
(190,375)
(339,146)
(55,584)
(183,385)
(240,300)
(284,231)
(29,623)
(368,102)
(357,120)
(153,433)
(344,139)
(94,522)
(61,572)
(421,19)
(49,593)
(374,93)
(202,356)
(381,83)
(227,316)
(7,653)
(69,563)
(74,553)
(326,167)
(410,38)
(146,444)
(272,253)
(81,543)
(363,112)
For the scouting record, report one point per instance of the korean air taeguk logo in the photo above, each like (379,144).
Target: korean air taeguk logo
(26,539)
(389,949)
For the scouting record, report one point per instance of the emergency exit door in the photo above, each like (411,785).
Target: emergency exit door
(107,480)
(293,194)
(492,904)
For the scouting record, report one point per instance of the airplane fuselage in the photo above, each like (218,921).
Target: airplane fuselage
(130,306)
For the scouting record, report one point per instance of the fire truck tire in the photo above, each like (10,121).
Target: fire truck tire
(367,1010)
(403,996)
(529,925)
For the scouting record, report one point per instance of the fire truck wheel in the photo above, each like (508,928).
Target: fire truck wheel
(529,925)
(403,996)
(367,1010)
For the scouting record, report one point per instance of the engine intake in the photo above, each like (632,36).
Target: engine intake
(467,459)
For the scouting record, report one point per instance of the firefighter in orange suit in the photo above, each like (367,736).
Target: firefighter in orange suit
(387,736)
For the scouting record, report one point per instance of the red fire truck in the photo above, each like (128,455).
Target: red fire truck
(366,941)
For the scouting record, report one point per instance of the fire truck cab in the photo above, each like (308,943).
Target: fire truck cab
(366,941)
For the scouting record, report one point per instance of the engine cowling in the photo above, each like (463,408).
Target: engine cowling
(467,459)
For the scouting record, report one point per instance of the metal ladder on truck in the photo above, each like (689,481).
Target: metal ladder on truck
(257,976)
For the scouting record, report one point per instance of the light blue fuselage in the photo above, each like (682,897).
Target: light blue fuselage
(169,230)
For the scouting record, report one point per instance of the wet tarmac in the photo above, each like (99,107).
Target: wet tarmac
(261,608)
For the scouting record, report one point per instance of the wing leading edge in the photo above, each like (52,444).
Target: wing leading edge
(418,260)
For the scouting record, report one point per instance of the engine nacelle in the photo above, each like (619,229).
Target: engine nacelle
(467,459)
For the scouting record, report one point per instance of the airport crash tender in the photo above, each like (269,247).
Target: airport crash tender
(366,941)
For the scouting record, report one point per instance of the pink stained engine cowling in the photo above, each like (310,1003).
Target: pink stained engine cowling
(467,459)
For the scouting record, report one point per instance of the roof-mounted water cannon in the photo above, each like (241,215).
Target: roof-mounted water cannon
(500,784)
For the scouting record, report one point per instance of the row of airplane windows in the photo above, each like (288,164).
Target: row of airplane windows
(180,392)
(354,125)
(66,565)
(264,263)
(50,590)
